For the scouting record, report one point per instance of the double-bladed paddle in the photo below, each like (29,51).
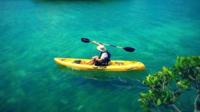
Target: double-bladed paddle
(128,49)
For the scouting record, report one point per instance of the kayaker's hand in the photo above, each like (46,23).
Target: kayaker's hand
(94,42)
(94,57)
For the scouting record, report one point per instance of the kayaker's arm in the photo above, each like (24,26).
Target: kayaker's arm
(96,43)
(99,59)
(95,58)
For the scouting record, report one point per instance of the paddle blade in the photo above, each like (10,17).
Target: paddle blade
(129,49)
(86,40)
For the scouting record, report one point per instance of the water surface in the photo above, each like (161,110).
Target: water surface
(33,32)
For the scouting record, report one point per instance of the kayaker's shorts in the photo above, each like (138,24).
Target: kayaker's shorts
(100,64)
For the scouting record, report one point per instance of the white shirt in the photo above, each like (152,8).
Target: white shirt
(104,55)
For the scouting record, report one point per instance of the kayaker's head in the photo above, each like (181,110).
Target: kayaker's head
(101,48)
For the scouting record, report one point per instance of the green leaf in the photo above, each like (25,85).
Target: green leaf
(183,84)
(143,95)
(158,102)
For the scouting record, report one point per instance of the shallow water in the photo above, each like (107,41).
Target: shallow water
(33,32)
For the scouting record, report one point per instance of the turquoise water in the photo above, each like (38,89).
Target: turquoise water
(33,32)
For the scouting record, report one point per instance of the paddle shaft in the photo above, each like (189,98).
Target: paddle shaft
(86,40)
(100,43)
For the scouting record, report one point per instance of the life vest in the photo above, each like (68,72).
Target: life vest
(105,61)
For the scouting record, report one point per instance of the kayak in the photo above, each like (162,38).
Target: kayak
(114,65)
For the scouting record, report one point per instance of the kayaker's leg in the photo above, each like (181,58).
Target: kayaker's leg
(93,60)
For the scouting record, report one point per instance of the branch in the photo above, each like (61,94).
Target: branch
(176,108)
(163,86)
(197,104)
(192,78)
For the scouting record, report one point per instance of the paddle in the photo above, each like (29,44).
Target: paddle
(128,49)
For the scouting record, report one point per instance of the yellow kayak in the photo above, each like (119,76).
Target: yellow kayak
(114,65)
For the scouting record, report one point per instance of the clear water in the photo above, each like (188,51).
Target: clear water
(33,32)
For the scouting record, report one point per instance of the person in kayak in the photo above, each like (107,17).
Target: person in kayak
(103,59)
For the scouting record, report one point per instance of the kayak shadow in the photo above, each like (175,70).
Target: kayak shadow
(111,83)
(104,79)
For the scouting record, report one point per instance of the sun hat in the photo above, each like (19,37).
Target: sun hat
(101,48)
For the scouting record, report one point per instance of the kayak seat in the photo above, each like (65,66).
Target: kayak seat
(77,61)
